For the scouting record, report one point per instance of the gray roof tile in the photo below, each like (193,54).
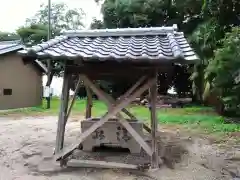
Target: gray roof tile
(9,46)
(136,44)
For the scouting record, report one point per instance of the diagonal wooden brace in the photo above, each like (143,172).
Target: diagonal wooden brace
(67,151)
(109,101)
(74,98)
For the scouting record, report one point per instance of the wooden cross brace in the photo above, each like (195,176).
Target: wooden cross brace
(111,103)
(123,102)
(89,101)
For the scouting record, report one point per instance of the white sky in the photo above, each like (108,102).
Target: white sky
(13,13)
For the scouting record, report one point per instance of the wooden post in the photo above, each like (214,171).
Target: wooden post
(89,103)
(63,113)
(74,98)
(154,123)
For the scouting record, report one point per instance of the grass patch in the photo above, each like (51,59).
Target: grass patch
(195,117)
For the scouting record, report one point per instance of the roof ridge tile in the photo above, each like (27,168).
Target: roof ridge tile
(176,49)
(164,30)
(47,44)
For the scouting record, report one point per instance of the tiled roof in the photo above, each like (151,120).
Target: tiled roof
(135,44)
(11,46)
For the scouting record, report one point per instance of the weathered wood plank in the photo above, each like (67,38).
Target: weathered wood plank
(135,135)
(148,129)
(154,124)
(102,70)
(130,91)
(99,164)
(74,97)
(89,103)
(62,114)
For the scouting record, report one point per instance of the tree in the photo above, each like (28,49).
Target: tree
(223,70)
(142,13)
(6,36)
(205,39)
(225,11)
(33,34)
(36,29)
(97,24)
(63,18)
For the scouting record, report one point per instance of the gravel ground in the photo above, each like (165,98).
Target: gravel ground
(26,145)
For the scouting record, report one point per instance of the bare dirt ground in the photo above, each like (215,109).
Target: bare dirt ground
(27,143)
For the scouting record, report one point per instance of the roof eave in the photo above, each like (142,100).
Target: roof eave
(11,49)
(24,54)
(156,61)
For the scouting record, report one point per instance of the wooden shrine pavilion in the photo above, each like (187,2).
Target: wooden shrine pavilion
(137,53)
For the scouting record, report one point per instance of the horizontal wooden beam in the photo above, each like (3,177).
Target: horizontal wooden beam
(99,164)
(115,69)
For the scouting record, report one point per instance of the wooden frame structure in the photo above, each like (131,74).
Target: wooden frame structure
(147,81)
(113,53)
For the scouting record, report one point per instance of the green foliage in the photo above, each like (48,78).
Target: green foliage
(225,11)
(219,18)
(6,36)
(223,69)
(97,24)
(205,39)
(142,13)
(62,18)
(33,34)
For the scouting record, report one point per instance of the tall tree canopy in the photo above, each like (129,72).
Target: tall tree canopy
(219,18)
(62,18)
(223,69)
(142,13)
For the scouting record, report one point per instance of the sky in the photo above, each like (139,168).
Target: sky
(13,13)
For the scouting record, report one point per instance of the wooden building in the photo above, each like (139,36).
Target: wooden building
(20,83)
(137,53)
